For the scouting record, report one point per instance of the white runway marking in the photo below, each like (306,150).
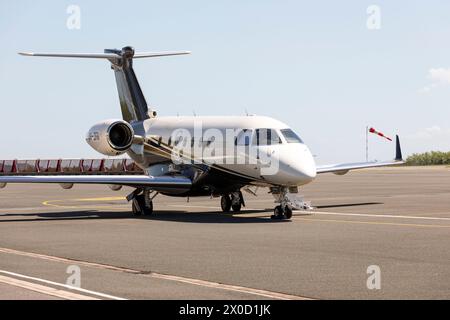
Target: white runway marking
(378,215)
(197,282)
(329,213)
(43,289)
(52,291)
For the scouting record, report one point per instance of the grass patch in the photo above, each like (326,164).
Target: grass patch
(433,158)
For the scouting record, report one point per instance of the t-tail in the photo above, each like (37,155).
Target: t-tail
(132,101)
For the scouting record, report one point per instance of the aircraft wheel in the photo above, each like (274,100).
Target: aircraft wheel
(139,206)
(277,213)
(135,208)
(148,210)
(236,207)
(288,213)
(225,203)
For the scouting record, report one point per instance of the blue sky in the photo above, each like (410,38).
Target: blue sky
(312,64)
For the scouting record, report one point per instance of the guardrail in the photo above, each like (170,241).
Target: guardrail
(69,166)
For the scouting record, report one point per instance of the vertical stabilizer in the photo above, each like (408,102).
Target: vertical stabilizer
(132,101)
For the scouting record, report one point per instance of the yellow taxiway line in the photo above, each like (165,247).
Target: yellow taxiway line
(52,203)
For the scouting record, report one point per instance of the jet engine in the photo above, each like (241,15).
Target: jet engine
(111,137)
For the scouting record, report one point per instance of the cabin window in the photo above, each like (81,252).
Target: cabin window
(244,138)
(291,136)
(266,137)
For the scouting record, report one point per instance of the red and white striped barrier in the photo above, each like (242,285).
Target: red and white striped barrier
(69,166)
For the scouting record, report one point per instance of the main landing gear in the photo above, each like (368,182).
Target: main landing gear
(233,201)
(142,202)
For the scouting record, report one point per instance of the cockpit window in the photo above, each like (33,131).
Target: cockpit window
(291,136)
(244,137)
(266,137)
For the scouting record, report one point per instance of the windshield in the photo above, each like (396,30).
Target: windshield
(291,136)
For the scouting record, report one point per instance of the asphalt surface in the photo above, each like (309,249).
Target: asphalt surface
(395,218)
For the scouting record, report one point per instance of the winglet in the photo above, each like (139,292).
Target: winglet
(398,150)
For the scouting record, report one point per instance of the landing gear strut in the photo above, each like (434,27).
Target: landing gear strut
(284,210)
(233,201)
(142,203)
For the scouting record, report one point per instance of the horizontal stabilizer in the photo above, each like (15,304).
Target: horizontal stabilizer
(72,55)
(159,54)
(102,55)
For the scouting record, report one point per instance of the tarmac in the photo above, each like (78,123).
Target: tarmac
(84,243)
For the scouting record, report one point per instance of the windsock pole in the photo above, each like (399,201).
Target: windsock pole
(367,143)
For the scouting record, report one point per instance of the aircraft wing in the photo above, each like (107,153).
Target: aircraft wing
(343,168)
(162,183)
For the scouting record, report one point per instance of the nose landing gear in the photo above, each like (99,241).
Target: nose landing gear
(282,213)
(288,199)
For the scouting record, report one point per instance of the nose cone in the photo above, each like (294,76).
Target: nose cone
(298,166)
(303,165)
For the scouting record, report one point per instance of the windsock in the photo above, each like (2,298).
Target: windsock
(372,130)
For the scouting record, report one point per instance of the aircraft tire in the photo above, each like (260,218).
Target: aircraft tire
(139,207)
(236,207)
(288,213)
(225,203)
(277,213)
(135,208)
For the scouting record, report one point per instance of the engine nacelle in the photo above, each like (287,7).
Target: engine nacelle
(115,187)
(111,137)
(66,186)
(340,173)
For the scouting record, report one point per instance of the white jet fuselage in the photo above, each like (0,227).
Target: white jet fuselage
(229,144)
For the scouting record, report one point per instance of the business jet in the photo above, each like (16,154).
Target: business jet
(189,156)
